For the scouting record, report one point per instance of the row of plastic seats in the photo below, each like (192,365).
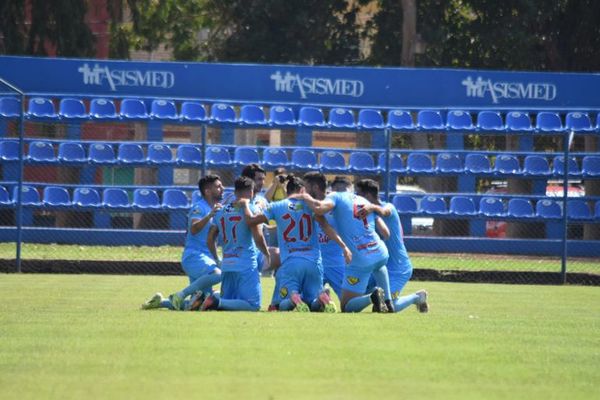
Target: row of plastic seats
(494,207)
(339,118)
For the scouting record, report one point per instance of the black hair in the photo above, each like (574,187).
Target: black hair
(316,178)
(250,170)
(294,183)
(341,180)
(368,186)
(279,171)
(243,183)
(207,180)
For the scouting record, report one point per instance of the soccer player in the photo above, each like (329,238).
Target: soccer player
(240,287)
(399,265)
(197,261)
(299,279)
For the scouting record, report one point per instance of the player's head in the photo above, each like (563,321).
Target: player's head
(257,174)
(244,187)
(295,184)
(341,184)
(210,187)
(316,184)
(367,188)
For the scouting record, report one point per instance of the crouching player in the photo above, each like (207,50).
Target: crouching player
(240,286)
(399,265)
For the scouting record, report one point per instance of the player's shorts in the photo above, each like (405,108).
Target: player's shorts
(197,265)
(242,285)
(299,275)
(356,279)
(334,276)
(398,280)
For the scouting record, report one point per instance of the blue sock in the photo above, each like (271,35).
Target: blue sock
(286,305)
(315,305)
(203,283)
(383,281)
(166,303)
(358,304)
(235,305)
(402,302)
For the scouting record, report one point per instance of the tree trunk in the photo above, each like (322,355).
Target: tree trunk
(409,32)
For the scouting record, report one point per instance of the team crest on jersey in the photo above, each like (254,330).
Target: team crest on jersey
(352,280)
(283,292)
(293,206)
(230,208)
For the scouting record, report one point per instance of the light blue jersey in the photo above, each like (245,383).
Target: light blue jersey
(399,260)
(239,250)
(197,243)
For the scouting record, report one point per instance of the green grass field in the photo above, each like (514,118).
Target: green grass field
(83,336)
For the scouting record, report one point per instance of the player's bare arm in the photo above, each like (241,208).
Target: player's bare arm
(382,229)
(251,219)
(379,210)
(199,224)
(333,235)
(211,241)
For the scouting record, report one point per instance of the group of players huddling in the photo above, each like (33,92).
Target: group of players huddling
(353,242)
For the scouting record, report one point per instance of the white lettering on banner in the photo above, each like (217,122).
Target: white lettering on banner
(99,75)
(509,90)
(289,83)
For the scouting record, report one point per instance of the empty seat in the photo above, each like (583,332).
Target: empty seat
(518,121)
(253,115)
(548,209)
(548,122)
(218,157)
(222,113)
(507,164)
(370,119)
(490,121)
(405,204)
(578,210)
(72,109)
(275,157)
(72,152)
(86,197)
(159,154)
(193,112)
(130,153)
(10,107)
(163,109)
(448,163)
(29,196)
(133,109)
(491,207)
(590,167)
(311,117)
(146,199)
(558,166)
(103,109)
(361,162)
(102,153)
(56,196)
(400,120)
(419,163)
(433,205)
(520,208)
(536,166)
(5,199)
(333,161)
(460,205)
(579,122)
(430,120)
(477,164)
(115,198)
(282,116)
(9,150)
(341,118)
(245,155)
(188,154)
(396,163)
(597,209)
(40,107)
(175,199)
(41,152)
(460,121)
(304,159)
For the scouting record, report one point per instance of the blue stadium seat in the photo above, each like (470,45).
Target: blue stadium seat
(72,152)
(159,154)
(558,166)
(304,159)
(29,196)
(245,155)
(461,205)
(579,122)
(333,161)
(578,210)
(591,166)
(253,115)
(598,122)
(103,109)
(115,198)
(518,121)
(535,165)
(72,109)
(175,199)
(145,199)
(133,109)
(448,163)
(548,209)
(400,120)
(164,110)
(130,153)
(370,119)
(41,152)
(282,116)
(5,199)
(490,121)
(520,208)
(548,122)
(193,112)
(56,196)
(101,153)
(86,197)
(433,205)
(362,163)
(10,107)
(188,154)
(597,209)
(311,117)
(396,163)
(405,204)
(222,113)
(40,107)
(9,150)
(507,164)
(218,157)
(477,164)
(459,121)
(419,163)
(491,207)
(341,118)
(275,157)
(430,120)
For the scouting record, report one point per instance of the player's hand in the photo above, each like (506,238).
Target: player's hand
(217,207)
(347,255)
(365,210)
(243,202)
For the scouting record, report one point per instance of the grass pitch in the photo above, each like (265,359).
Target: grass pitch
(83,336)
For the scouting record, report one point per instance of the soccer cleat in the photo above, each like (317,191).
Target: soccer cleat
(273,307)
(196,301)
(176,302)
(390,306)
(153,302)
(377,298)
(210,303)
(299,305)
(422,305)
(327,306)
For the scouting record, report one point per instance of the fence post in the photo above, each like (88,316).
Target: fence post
(568,138)
(388,147)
